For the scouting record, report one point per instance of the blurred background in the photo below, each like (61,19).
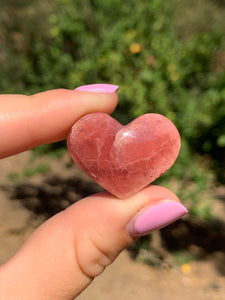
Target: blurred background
(167,57)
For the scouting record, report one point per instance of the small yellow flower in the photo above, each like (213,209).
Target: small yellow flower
(135,48)
(171,68)
(174,76)
(54,31)
(186,268)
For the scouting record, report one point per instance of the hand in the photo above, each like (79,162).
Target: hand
(68,251)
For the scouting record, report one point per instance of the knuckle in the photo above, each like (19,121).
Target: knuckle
(91,258)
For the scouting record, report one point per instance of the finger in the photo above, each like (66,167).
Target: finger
(28,121)
(64,255)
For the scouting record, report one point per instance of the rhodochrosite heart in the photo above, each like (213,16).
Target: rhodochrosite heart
(124,159)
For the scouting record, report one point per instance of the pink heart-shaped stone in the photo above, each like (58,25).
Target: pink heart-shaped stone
(124,159)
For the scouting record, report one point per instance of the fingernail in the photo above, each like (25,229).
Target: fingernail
(156,217)
(98,88)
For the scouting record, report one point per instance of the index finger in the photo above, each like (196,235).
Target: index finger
(46,117)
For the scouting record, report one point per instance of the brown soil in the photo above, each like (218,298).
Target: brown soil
(25,202)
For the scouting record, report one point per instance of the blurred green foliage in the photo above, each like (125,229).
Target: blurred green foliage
(143,46)
(17,177)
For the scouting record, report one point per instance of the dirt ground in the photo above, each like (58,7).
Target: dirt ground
(26,201)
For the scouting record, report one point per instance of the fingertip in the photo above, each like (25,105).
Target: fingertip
(151,194)
(161,192)
(97,102)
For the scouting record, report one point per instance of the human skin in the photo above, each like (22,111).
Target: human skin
(64,255)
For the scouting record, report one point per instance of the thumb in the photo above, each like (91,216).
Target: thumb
(63,255)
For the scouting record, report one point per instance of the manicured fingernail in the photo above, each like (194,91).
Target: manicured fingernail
(98,88)
(156,217)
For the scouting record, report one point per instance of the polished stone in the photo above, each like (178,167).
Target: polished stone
(124,159)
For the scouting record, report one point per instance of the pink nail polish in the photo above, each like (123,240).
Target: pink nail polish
(98,88)
(156,217)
